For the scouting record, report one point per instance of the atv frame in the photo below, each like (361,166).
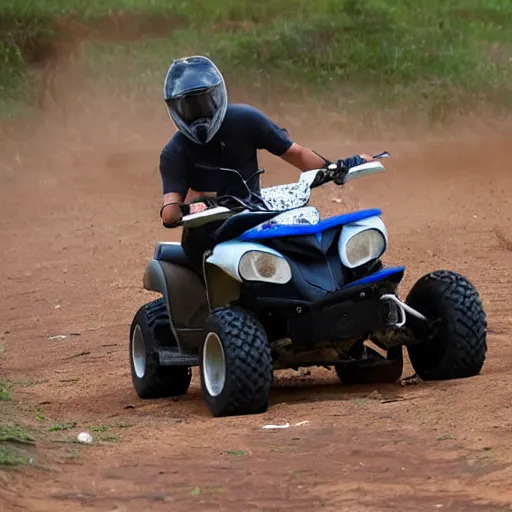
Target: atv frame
(239,331)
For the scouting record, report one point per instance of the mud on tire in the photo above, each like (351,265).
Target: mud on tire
(458,347)
(150,329)
(235,363)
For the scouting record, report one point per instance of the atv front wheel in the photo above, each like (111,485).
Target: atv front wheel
(150,379)
(372,369)
(458,345)
(235,364)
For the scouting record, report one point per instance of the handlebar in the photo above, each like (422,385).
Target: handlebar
(235,204)
(335,173)
(253,202)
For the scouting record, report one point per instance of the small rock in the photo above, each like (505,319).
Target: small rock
(84,438)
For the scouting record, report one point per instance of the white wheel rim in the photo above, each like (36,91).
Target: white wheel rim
(138,352)
(214,365)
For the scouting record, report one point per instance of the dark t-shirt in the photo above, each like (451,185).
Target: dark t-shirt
(245,130)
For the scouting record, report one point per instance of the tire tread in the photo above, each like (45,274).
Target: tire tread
(248,363)
(159,381)
(464,322)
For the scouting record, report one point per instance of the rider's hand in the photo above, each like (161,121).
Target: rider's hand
(346,164)
(353,161)
(197,207)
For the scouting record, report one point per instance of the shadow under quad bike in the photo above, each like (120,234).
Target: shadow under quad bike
(282,288)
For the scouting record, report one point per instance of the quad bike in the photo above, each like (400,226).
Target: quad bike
(282,288)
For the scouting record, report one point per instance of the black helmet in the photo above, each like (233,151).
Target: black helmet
(196,97)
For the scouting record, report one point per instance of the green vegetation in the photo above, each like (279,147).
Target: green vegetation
(446,437)
(9,458)
(59,427)
(40,417)
(430,52)
(14,434)
(112,438)
(100,428)
(237,453)
(4,392)
(10,435)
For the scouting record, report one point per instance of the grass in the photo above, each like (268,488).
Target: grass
(429,52)
(237,453)
(10,435)
(14,434)
(100,428)
(111,438)
(40,417)
(13,438)
(447,437)
(59,427)
(196,491)
(4,392)
(9,458)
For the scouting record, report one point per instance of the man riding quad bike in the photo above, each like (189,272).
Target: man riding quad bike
(261,283)
(213,133)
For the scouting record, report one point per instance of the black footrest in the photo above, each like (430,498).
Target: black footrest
(169,357)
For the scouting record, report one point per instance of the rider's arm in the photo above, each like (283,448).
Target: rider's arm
(170,212)
(303,158)
(271,137)
(306,159)
(173,167)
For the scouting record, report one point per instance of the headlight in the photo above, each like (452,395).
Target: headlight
(365,246)
(261,266)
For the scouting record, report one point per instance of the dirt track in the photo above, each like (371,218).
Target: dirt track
(78,226)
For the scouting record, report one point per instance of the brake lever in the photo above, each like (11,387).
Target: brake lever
(384,154)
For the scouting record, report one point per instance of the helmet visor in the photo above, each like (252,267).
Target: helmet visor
(202,105)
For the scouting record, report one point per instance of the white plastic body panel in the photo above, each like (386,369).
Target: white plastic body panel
(201,218)
(366,169)
(307,177)
(349,230)
(286,197)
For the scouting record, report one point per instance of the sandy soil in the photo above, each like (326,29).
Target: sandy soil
(79,220)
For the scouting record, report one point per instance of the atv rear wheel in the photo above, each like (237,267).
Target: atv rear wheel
(150,379)
(458,346)
(235,364)
(373,369)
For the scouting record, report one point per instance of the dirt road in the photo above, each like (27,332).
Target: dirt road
(78,224)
